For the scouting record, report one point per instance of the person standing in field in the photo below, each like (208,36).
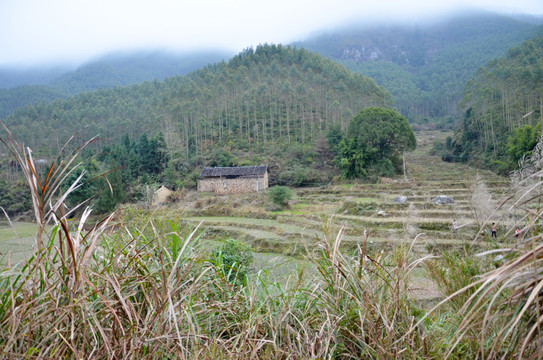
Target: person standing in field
(493,233)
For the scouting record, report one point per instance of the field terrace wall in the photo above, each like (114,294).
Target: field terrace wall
(233,180)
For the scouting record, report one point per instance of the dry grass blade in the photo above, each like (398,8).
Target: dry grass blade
(44,191)
(504,312)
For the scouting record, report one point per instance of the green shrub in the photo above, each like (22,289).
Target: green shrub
(233,259)
(280,195)
(454,271)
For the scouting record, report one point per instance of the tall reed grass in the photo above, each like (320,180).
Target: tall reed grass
(503,313)
(111,290)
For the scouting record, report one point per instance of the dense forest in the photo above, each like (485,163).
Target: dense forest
(271,105)
(503,107)
(271,94)
(425,66)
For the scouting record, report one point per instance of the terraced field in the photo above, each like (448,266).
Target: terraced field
(361,209)
(16,241)
(364,211)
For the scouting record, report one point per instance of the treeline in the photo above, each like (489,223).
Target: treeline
(127,171)
(503,109)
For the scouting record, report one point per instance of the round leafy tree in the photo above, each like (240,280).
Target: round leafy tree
(376,137)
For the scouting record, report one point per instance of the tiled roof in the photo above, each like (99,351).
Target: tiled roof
(234,171)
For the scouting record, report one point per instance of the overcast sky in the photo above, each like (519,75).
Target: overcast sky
(35,31)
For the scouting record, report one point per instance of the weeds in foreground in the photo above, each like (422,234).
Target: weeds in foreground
(157,296)
(500,310)
(151,293)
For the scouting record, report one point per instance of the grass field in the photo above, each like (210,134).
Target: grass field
(16,241)
(286,236)
(280,239)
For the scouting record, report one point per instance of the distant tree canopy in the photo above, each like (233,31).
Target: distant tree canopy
(375,139)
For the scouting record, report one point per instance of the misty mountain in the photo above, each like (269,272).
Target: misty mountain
(133,68)
(20,87)
(11,76)
(425,66)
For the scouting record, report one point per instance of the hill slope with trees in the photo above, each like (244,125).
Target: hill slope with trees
(271,94)
(424,66)
(503,106)
(271,105)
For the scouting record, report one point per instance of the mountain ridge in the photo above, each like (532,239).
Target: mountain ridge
(424,66)
(114,69)
(433,61)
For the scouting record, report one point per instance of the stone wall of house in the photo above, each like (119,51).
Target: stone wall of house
(225,186)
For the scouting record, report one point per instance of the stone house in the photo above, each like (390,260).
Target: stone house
(233,180)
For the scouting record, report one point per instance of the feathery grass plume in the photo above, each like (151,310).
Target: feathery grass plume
(409,224)
(503,313)
(523,178)
(526,181)
(482,204)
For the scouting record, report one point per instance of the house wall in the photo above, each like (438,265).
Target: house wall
(225,186)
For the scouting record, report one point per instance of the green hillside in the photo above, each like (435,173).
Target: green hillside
(503,106)
(20,87)
(272,94)
(424,66)
(271,105)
